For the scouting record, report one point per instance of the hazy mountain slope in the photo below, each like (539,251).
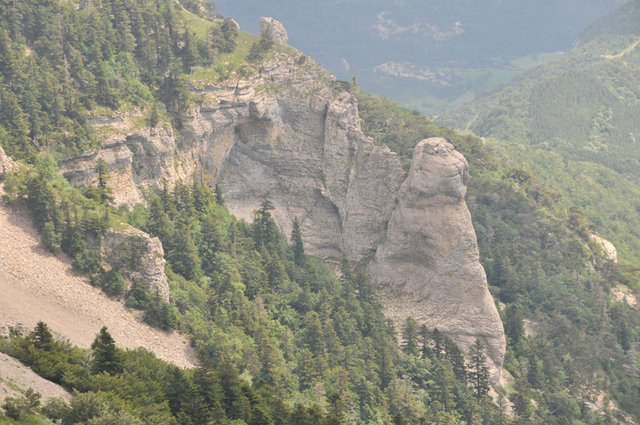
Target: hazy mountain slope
(425,53)
(584,108)
(37,285)
(584,105)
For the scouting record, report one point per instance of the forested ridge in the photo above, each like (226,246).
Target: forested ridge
(573,123)
(64,62)
(283,337)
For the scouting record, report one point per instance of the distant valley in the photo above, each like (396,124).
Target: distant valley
(425,55)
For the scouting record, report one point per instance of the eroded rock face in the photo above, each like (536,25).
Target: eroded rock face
(292,131)
(82,171)
(430,254)
(270,27)
(134,246)
(6,164)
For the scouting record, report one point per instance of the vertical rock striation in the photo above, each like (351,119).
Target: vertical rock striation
(430,254)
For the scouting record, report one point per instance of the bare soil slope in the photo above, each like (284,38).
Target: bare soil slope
(16,378)
(37,285)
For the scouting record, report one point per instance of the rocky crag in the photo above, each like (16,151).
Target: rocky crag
(291,130)
(137,251)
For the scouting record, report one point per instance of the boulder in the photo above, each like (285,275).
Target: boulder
(272,28)
(608,249)
(140,253)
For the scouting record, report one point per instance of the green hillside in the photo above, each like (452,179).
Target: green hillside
(573,123)
(283,337)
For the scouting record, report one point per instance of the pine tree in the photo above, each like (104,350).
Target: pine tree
(264,230)
(42,337)
(158,223)
(218,194)
(534,375)
(154,116)
(229,35)
(438,343)
(624,336)
(478,370)
(514,324)
(410,336)
(105,193)
(425,340)
(298,246)
(454,355)
(212,242)
(106,357)
(183,254)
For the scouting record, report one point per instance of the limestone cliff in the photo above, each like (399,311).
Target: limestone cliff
(292,130)
(431,254)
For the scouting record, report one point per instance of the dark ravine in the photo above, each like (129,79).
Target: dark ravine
(291,131)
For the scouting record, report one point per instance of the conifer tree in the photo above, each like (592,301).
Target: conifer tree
(478,370)
(454,355)
(410,336)
(229,35)
(296,240)
(624,336)
(438,343)
(42,337)
(106,357)
(158,223)
(105,193)
(514,324)
(534,374)
(154,116)
(264,229)
(425,340)
(183,253)
(212,242)
(218,195)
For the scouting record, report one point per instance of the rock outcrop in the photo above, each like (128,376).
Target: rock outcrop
(292,130)
(6,164)
(430,253)
(608,249)
(272,28)
(137,251)
(83,171)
